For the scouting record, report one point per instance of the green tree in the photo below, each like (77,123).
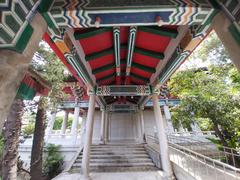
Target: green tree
(210,93)
(46,63)
(58,123)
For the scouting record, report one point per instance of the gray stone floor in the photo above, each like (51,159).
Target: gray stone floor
(150,175)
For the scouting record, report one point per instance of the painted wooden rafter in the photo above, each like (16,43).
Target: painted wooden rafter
(116,40)
(161,31)
(105,78)
(99,54)
(143,67)
(90,33)
(103,68)
(131,46)
(146,80)
(157,55)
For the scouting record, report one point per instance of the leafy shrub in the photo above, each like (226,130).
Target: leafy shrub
(28,129)
(53,162)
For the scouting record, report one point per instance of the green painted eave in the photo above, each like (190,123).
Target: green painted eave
(103,68)
(149,53)
(159,31)
(99,54)
(144,68)
(83,35)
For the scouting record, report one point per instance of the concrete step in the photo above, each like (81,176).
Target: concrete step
(120,160)
(117,156)
(118,145)
(117,152)
(117,149)
(117,169)
(109,164)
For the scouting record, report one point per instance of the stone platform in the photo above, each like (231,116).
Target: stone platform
(150,175)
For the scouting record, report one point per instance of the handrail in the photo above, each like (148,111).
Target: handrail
(202,158)
(205,157)
(70,164)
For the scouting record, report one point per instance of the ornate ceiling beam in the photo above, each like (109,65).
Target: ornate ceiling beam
(103,68)
(123,90)
(143,67)
(104,13)
(162,31)
(99,54)
(78,35)
(131,46)
(117,47)
(157,55)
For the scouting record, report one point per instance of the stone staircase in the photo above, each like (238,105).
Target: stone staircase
(117,158)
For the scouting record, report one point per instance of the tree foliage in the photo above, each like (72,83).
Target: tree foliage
(53,162)
(52,69)
(58,123)
(210,93)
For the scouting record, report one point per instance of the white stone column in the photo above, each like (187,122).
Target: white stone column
(142,126)
(139,128)
(88,138)
(164,152)
(109,126)
(102,126)
(106,126)
(14,65)
(221,26)
(74,128)
(168,118)
(64,123)
(50,125)
(83,130)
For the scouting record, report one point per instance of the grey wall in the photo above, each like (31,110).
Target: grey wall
(123,126)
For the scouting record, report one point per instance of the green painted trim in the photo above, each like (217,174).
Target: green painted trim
(146,80)
(105,77)
(78,35)
(144,68)
(99,54)
(103,68)
(208,21)
(153,54)
(159,31)
(44,5)
(215,4)
(235,33)
(25,92)
(50,22)
(23,40)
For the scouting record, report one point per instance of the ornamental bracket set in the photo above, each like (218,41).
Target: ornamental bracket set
(123,90)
